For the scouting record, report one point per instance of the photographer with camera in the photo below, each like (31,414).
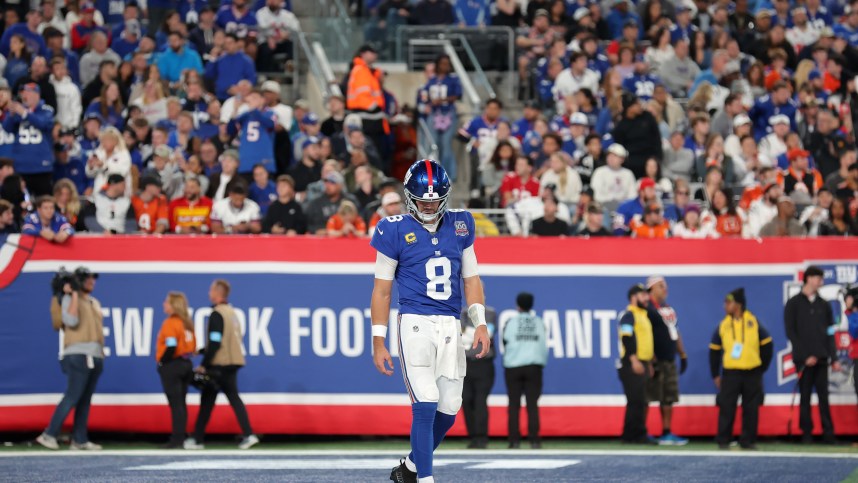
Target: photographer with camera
(850,297)
(78,315)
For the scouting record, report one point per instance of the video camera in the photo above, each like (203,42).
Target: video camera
(61,278)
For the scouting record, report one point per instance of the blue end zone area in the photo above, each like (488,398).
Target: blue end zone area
(450,466)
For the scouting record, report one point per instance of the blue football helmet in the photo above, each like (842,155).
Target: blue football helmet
(426,180)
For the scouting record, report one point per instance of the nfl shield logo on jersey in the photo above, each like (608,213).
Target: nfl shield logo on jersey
(461,228)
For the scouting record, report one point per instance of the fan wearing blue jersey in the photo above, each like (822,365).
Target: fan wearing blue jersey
(430,255)
(256,139)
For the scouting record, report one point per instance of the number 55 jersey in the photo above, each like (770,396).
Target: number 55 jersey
(429,265)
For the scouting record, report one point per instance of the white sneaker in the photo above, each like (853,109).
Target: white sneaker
(248,442)
(88,446)
(191,443)
(48,441)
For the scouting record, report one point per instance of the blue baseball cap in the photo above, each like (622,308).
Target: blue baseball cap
(310,118)
(814,74)
(307,142)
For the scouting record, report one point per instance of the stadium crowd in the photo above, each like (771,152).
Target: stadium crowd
(689,119)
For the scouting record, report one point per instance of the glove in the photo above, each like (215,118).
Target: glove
(683,365)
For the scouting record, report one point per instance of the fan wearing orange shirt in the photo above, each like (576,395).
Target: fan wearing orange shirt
(151,207)
(346,223)
(174,348)
(653,225)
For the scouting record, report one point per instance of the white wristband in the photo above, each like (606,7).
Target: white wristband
(477,314)
(379,330)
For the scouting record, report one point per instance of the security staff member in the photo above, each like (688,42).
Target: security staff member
(745,349)
(82,359)
(524,357)
(810,328)
(636,352)
(222,360)
(174,348)
(479,379)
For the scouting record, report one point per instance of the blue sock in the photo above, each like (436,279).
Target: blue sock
(422,437)
(443,423)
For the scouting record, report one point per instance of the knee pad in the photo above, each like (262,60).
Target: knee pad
(450,400)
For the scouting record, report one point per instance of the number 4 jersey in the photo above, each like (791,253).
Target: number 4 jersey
(429,270)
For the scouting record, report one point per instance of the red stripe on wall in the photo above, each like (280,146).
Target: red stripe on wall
(386,420)
(611,251)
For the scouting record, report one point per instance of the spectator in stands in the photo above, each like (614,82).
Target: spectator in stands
(826,142)
(46,223)
(69,108)
(109,105)
(28,32)
(176,59)
(519,184)
(678,73)
(592,158)
(285,216)
(309,126)
(39,75)
(275,27)
(107,73)
(164,168)
(337,110)
(696,140)
(652,224)
(437,101)
(346,223)
(236,213)
(519,215)
(678,160)
(112,208)
(496,169)
(17,61)
(228,172)
(836,179)
(262,190)
(57,49)
(633,209)
(801,182)
(594,222)
(723,121)
(778,103)
(613,183)
(713,156)
(27,138)
(309,169)
(741,127)
(839,221)
(98,53)
(784,224)
(566,180)
(191,213)
(126,40)
(202,36)
(549,224)
(81,32)
(674,212)
(477,131)
(322,208)
(535,44)
(764,209)
(636,131)
(813,215)
(690,226)
(237,18)
(151,208)
(362,180)
(574,78)
(774,144)
(391,205)
(8,225)
(232,66)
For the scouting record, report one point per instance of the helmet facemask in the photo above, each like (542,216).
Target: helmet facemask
(425,218)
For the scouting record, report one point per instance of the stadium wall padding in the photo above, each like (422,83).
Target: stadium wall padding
(304,304)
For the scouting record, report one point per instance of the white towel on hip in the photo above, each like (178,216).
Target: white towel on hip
(446,356)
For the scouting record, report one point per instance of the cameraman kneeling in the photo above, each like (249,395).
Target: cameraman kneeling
(82,357)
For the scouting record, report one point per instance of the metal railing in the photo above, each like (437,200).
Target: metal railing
(497,53)
(482,79)
(333,88)
(342,26)
(313,64)
(426,147)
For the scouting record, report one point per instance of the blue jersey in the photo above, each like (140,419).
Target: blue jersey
(480,128)
(429,271)
(7,139)
(33,224)
(843,31)
(521,127)
(111,10)
(239,26)
(820,19)
(438,88)
(641,85)
(599,63)
(34,148)
(257,139)
(263,196)
(473,13)
(687,33)
(764,109)
(75,171)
